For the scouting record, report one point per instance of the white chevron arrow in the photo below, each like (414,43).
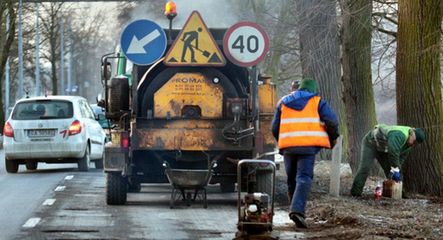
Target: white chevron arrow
(137,46)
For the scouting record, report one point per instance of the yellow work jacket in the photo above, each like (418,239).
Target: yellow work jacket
(302,128)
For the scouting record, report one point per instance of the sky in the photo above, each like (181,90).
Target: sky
(215,13)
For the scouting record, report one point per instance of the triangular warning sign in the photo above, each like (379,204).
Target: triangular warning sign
(194,46)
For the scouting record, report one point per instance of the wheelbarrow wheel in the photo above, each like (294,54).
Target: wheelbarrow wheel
(174,193)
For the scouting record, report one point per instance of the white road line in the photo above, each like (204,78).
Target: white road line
(59,188)
(31,222)
(49,201)
(69,177)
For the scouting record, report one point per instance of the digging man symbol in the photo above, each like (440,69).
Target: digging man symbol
(188,38)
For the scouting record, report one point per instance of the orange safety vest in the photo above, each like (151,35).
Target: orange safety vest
(302,128)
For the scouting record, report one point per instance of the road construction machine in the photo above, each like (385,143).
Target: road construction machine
(188,116)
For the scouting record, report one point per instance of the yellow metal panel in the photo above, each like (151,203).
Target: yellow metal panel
(188,89)
(267,98)
(181,139)
(190,124)
(194,46)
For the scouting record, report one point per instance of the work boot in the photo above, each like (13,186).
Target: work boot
(299,219)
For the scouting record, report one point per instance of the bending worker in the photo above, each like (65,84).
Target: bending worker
(303,124)
(390,145)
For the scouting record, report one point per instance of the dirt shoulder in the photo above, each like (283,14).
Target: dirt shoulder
(346,217)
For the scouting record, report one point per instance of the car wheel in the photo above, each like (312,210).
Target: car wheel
(11,166)
(83,163)
(116,188)
(31,165)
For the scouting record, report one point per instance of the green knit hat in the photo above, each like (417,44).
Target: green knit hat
(308,84)
(419,135)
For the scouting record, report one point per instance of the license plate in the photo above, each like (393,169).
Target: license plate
(41,133)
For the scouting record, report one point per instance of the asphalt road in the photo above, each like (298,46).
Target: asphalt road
(25,191)
(59,202)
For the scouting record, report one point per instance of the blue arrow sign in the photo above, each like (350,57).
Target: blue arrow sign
(143,42)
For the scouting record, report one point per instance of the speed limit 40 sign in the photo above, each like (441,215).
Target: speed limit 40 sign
(245,43)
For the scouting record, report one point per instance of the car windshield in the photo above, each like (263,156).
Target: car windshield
(42,109)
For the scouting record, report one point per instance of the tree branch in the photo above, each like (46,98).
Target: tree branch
(391,33)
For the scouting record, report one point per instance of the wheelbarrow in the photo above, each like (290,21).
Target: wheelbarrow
(188,184)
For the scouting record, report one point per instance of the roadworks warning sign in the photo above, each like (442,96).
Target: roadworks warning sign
(194,46)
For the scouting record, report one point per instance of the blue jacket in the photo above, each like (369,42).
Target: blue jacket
(297,100)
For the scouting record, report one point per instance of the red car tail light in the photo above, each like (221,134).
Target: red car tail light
(7,130)
(75,128)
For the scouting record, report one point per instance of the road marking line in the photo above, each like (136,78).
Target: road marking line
(69,177)
(60,188)
(49,201)
(31,222)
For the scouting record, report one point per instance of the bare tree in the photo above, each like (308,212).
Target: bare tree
(357,81)
(6,41)
(90,42)
(320,50)
(51,18)
(279,45)
(277,17)
(419,97)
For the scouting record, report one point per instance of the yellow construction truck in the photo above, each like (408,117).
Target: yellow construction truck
(188,111)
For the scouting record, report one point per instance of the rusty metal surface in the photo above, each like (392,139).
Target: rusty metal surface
(267,97)
(115,138)
(188,89)
(236,101)
(185,139)
(179,123)
(114,159)
(265,125)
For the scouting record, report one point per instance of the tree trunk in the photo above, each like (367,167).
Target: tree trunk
(419,99)
(357,82)
(320,51)
(7,38)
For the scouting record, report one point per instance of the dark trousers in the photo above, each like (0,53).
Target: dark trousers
(367,155)
(300,172)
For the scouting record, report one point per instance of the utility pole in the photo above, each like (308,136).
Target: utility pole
(20,50)
(37,50)
(62,54)
(70,58)
(7,74)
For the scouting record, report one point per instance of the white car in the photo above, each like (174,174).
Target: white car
(53,129)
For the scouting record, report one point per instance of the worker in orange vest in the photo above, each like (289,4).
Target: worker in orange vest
(303,124)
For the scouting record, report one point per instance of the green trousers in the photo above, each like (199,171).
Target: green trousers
(367,155)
